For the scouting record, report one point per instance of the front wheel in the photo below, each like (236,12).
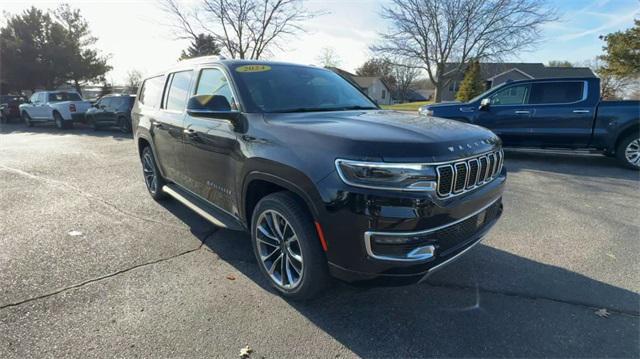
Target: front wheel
(152,177)
(287,247)
(27,119)
(628,151)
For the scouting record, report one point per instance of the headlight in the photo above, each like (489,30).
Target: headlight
(392,176)
(426,111)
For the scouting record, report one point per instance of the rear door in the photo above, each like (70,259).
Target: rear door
(168,124)
(508,114)
(210,144)
(563,117)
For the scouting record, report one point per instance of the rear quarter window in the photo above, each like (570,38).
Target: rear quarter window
(151,91)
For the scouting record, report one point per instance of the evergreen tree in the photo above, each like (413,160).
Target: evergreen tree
(203,45)
(472,84)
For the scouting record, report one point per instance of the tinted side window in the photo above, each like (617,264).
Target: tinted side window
(152,91)
(105,102)
(556,92)
(214,82)
(513,95)
(178,91)
(116,102)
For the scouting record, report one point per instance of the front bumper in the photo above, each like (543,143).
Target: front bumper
(392,238)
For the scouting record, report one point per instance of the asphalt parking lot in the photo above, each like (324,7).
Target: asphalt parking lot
(91,266)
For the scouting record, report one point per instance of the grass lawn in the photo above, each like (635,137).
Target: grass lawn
(409,106)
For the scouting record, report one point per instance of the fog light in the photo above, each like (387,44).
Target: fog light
(396,240)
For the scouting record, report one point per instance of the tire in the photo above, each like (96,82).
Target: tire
(628,151)
(152,178)
(60,123)
(27,119)
(305,273)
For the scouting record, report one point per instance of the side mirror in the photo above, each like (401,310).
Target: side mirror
(485,103)
(214,106)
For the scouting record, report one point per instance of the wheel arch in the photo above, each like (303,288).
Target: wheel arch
(624,133)
(258,184)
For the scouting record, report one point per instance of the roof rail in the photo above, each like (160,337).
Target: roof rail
(207,58)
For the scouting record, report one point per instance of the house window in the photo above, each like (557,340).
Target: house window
(384,94)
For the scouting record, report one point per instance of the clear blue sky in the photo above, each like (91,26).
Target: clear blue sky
(132,32)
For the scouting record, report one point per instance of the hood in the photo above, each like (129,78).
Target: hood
(382,135)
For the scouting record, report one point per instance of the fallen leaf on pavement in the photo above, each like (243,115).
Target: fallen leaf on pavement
(245,352)
(230,277)
(602,313)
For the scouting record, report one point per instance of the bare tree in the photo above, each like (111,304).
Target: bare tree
(328,57)
(612,87)
(405,73)
(437,32)
(246,29)
(133,80)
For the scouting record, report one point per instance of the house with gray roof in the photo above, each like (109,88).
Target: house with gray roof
(494,74)
(374,86)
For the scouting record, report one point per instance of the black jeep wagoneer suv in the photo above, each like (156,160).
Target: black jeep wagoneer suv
(328,184)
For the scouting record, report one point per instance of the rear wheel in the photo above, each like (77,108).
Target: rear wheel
(60,122)
(628,151)
(152,177)
(287,247)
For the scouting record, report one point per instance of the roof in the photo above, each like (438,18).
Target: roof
(533,70)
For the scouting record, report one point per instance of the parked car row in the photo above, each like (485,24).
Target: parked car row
(553,113)
(64,108)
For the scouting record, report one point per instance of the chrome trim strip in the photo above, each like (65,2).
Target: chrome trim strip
(192,206)
(369,234)
(427,231)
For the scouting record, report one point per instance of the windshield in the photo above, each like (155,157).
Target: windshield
(64,96)
(291,88)
(486,93)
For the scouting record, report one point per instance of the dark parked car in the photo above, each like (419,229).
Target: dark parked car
(110,111)
(9,107)
(326,182)
(553,113)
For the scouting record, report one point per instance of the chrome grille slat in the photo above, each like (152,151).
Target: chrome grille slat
(459,177)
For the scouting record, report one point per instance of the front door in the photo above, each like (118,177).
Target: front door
(508,115)
(211,146)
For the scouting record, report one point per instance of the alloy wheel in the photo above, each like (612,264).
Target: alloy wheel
(149,172)
(279,249)
(632,152)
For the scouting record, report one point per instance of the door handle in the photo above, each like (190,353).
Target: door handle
(190,132)
(581,111)
(522,112)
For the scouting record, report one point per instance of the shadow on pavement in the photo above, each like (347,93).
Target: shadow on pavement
(490,303)
(79,129)
(577,164)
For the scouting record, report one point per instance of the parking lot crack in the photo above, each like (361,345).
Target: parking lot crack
(101,278)
(87,195)
(537,297)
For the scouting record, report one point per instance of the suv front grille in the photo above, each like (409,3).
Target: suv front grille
(459,177)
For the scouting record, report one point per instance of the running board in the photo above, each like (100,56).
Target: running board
(203,208)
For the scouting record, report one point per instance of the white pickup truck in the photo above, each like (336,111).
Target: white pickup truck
(61,107)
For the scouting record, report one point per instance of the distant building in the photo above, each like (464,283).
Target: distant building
(494,74)
(373,86)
